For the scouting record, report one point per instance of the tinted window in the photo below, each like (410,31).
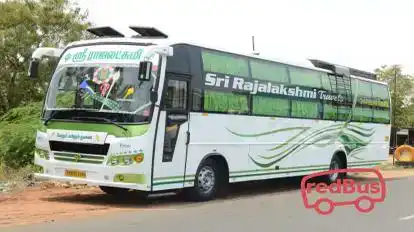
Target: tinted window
(224,63)
(265,70)
(330,111)
(224,102)
(176,95)
(381,116)
(344,113)
(380,103)
(305,77)
(197,96)
(363,111)
(272,104)
(328,83)
(372,99)
(362,114)
(305,109)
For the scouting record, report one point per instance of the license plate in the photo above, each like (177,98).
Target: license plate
(74,173)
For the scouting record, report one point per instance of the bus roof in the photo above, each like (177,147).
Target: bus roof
(168,42)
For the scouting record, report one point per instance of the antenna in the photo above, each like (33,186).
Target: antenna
(254,52)
(253,43)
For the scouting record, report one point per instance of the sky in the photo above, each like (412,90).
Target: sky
(362,34)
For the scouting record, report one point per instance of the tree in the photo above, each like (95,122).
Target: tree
(24,26)
(402,97)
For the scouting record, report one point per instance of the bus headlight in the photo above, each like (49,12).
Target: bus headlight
(126,160)
(114,161)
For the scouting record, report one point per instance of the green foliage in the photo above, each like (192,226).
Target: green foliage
(24,26)
(17,135)
(29,113)
(401,94)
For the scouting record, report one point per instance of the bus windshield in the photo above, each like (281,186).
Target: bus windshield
(100,89)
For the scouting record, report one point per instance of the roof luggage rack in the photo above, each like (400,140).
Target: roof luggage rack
(105,32)
(342,70)
(148,32)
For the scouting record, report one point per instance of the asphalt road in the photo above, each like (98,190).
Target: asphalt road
(268,206)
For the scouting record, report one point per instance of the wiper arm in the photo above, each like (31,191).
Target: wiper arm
(50,117)
(102,119)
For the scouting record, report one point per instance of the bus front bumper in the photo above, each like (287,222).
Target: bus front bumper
(45,177)
(93,175)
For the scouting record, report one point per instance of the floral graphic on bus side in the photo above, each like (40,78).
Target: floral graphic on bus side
(354,139)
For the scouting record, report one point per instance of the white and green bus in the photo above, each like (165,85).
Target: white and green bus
(148,114)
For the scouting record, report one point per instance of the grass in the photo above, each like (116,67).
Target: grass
(18,179)
(387,166)
(2,175)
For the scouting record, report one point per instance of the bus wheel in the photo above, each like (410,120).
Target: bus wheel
(336,163)
(205,182)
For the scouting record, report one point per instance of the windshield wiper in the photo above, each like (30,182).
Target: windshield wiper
(50,117)
(101,119)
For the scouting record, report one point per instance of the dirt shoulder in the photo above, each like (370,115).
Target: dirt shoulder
(387,174)
(38,204)
(48,203)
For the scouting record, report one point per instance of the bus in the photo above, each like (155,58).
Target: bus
(148,114)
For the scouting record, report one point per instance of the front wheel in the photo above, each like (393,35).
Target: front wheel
(206,182)
(336,163)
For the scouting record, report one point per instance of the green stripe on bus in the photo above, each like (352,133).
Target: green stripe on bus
(276,172)
(263,172)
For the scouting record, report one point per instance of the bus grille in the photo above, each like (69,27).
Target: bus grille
(94,149)
(79,158)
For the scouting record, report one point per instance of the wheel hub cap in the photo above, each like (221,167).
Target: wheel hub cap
(206,179)
(334,165)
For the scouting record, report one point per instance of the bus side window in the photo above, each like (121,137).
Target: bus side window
(176,96)
(380,103)
(363,111)
(302,107)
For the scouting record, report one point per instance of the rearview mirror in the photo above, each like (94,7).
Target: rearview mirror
(33,68)
(145,68)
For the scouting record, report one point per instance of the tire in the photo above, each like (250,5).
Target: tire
(336,163)
(206,182)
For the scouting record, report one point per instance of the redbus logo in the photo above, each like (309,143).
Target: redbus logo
(346,186)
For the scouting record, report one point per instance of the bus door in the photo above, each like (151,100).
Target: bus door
(172,134)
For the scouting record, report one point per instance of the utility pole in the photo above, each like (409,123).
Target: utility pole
(393,111)
(395,93)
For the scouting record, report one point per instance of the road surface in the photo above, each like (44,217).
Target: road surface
(268,206)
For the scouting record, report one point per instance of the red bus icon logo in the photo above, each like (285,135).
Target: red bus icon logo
(365,191)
